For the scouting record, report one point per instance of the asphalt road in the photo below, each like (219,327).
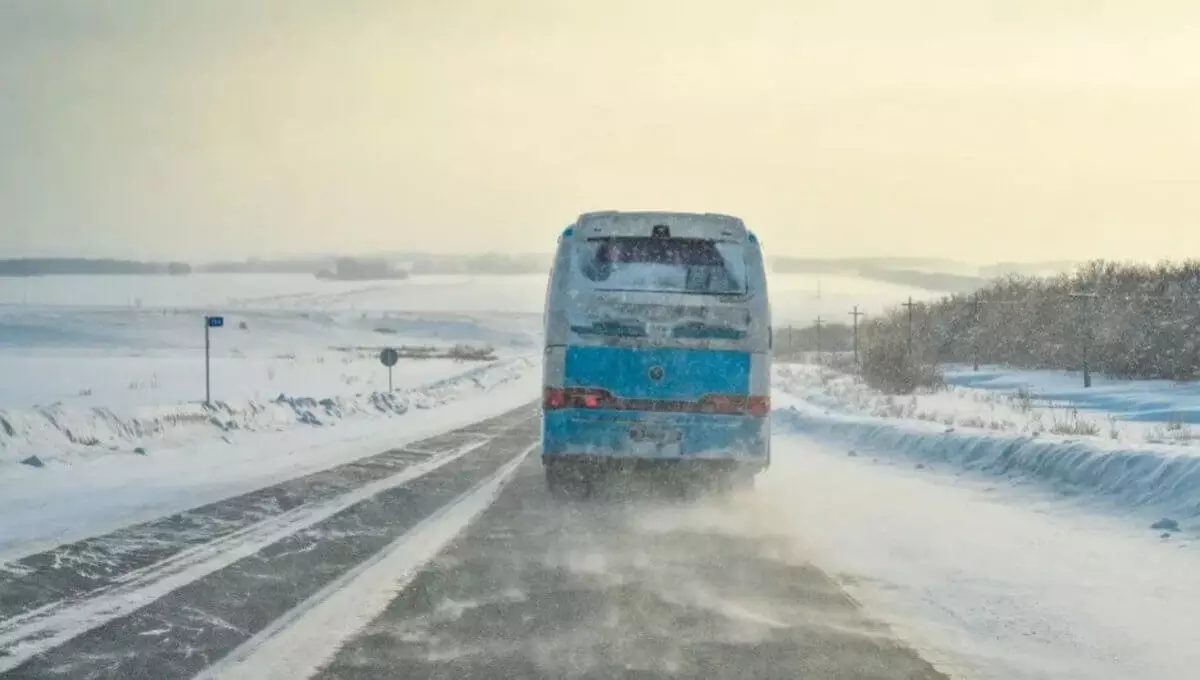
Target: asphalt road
(630,585)
(626,586)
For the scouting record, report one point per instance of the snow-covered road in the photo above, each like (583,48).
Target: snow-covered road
(343,574)
(992,581)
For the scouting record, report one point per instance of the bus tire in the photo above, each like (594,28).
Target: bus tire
(719,481)
(742,481)
(563,481)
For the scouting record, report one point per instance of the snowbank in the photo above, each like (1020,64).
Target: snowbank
(61,433)
(996,440)
(1030,403)
(1159,477)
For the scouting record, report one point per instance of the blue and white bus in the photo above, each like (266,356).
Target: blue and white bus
(658,349)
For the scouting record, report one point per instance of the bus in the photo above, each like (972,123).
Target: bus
(657,350)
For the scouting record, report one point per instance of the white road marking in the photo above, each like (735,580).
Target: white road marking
(305,639)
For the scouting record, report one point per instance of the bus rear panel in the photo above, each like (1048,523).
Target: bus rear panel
(657,347)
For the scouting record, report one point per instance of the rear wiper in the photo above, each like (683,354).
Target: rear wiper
(625,329)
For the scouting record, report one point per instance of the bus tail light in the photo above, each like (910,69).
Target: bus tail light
(584,397)
(556,398)
(553,398)
(759,407)
(576,397)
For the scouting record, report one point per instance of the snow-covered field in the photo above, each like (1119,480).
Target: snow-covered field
(106,361)
(104,385)
(1146,401)
(1016,402)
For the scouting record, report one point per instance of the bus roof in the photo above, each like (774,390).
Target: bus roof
(679,225)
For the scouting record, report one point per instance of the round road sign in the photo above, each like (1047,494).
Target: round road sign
(389,357)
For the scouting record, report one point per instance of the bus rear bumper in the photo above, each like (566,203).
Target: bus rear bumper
(635,439)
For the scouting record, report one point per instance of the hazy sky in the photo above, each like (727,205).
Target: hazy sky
(977,129)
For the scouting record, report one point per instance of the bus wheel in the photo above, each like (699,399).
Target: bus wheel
(741,481)
(564,482)
(719,481)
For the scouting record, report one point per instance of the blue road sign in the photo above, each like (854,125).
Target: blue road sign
(215,321)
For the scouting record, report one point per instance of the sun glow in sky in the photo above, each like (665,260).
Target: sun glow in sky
(975,129)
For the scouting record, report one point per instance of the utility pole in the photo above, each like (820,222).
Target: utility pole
(975,331)
(819,322)
(1087,298)
(856,314)
(910,306)
(820,365)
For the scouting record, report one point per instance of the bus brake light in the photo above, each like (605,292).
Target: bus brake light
(759,407)
(554,398)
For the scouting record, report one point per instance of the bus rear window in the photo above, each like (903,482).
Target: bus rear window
(663,265)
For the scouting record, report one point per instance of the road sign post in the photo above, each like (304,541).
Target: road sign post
(388,357)
(210,322)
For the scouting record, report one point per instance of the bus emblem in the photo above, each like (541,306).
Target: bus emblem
(657,373)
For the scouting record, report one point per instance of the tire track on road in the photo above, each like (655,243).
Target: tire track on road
(636,588)
(298,644)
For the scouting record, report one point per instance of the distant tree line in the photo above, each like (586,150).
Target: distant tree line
(417,263)
(487,264)
(938,281)
(362,269)
(53,266)
(412,263)
(258,266)
(1132,321)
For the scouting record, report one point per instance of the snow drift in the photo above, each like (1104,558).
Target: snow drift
(1159,477)
(58,433)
